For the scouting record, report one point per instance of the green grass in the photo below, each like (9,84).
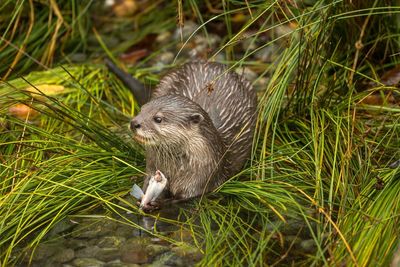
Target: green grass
(318,152)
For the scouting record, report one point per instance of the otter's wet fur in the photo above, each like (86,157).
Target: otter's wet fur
(197,127)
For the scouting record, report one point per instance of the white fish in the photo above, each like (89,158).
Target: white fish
(156,185)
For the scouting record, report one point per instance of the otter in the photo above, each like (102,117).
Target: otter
(197,128)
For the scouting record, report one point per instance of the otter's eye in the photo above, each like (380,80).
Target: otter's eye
(157,119)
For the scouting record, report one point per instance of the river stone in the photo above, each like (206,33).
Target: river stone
(92,229)
(127,231)
(119,263)
(184,236)
(45,250)
(110,241)
(168,259)
(64,255)
(88,252)
(76,243)
(108,254)
(61,227)
(87,262)
(135,251)
(192,254)
(157,240)
(155,250)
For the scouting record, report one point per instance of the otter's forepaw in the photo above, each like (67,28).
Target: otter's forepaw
(152,206)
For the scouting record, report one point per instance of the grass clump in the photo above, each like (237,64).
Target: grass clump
(321,152)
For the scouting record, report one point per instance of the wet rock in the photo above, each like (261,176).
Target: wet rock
(76,243)
(155,250)
(88,252)
(168,259)
(135,250)
(45,250)
(189,253)
(159,241)
(61,227)
(64,255)
(87,262)
(137,255)
(127,231)
(119,263)
(108,254)
(182,236)
(110,241)
(89,229)
(89,233)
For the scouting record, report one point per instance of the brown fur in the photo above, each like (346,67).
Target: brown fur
(197,137)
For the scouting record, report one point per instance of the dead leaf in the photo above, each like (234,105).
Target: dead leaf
(134,56)
(22,111)
(378,99)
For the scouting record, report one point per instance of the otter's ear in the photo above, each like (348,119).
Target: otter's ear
(196,118)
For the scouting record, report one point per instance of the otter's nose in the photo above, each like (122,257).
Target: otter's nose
(135,124)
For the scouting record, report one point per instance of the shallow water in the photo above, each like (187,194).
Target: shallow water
(110,239)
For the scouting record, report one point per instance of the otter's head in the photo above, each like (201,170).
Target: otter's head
(168,120)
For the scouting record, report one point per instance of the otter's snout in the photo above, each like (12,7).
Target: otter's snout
(135,124)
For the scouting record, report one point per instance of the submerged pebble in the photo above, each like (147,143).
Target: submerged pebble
(110,241)
(64,255)
(119,263)
(85,262)
(135,251)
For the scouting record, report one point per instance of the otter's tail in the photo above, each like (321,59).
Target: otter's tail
(141,94)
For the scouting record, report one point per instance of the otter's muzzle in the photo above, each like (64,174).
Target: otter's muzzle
(135,124)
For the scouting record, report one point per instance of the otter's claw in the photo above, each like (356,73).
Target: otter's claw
(152,206)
